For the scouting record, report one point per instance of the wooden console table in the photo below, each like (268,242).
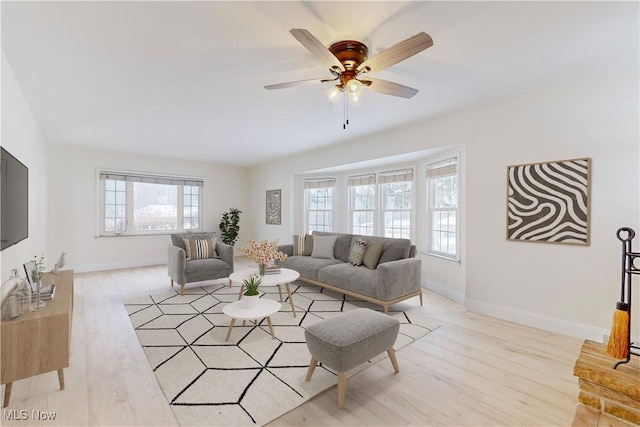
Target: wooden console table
(39,341)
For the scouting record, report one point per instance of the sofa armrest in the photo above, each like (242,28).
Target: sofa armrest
(225,253)
(286,249)
(398,278)
(177,264)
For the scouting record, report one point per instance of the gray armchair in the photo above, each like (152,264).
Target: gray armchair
(185,271)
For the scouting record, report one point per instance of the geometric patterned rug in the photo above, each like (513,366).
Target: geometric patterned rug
(251,379)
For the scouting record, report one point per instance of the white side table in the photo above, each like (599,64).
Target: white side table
(285,277)
(264,309)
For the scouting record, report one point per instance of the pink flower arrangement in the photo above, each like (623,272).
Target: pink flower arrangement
(263,252)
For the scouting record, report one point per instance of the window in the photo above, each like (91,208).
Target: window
(396,192)
(362,204)
(318,196)
(442,187)
(147,204)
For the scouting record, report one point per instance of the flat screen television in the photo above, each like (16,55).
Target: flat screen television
(14,203)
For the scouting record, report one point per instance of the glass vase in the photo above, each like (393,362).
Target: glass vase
(18,299)
(38,304)
(262,268)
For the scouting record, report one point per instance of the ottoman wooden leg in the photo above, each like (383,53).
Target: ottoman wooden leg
(342,389)
(394,361)
(182,288)
(312,367)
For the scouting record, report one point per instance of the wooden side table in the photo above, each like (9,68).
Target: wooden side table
(39,341)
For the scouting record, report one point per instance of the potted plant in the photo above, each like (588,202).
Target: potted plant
(229,227)
(251,293)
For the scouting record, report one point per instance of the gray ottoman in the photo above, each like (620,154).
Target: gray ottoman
(349,339)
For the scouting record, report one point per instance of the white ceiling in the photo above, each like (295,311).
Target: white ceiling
(185,79)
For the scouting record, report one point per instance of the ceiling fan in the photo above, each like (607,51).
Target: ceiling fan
(348,61)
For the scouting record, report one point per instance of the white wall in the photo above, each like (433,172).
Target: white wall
(21,136)
(73,206)
(568,289)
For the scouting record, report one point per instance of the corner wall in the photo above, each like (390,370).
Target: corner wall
(21,136)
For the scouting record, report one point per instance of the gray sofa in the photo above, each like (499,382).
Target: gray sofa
(395,278)
(183,271)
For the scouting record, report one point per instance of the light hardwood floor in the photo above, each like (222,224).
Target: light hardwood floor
(474,370)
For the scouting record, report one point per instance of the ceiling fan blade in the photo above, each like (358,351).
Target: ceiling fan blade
(297,83)
(390,88)
(314,46)
(396,53)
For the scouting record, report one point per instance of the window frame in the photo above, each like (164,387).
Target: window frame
(451,162)
(314,184)
(131,177)
(391,178)
(353,182)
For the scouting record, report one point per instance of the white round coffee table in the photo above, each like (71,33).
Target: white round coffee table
(263,309)
(285,277)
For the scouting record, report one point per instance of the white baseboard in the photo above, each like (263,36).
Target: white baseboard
(444,291)
(535,320)
(87,268)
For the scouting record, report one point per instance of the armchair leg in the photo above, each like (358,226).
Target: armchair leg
(182,289)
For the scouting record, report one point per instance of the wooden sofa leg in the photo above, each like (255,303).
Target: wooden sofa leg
(172,283)
(182,289)
(421,299)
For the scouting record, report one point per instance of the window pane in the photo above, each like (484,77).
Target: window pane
(319,209)
(155,207)
(114,207)
(190,212)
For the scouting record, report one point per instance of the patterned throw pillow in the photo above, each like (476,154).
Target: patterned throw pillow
(200,248)
(356,254)
(298,244)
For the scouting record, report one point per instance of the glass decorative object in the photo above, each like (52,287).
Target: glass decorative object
(38,304)
(18,299)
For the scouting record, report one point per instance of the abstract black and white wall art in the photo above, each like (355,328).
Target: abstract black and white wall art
(274,206)
(549,202)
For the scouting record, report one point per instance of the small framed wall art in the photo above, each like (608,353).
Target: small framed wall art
(549,202)
(274,207)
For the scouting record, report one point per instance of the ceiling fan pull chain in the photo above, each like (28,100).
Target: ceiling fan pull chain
(345,111)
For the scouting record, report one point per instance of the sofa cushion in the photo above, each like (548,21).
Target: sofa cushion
(346,276)
(308,267)
(200,248)
(342,246)
(358,247)
(395,249)
(372,254)
(323,247)
(177,239)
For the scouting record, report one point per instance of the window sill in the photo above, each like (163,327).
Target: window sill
(157,233)
(441,256)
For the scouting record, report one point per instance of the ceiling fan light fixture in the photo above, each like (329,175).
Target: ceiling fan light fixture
(354,92)
(333,93)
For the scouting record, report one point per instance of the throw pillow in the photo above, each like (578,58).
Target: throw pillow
(323,246)
(308,245)
(298,244)
(372,255)
(200,248)
(356,254)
